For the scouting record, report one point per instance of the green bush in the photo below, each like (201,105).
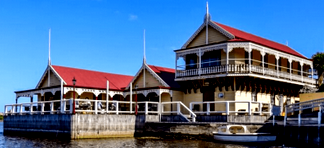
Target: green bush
(1,117)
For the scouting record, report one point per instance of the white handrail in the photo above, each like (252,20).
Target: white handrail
(227,107)
(178,111)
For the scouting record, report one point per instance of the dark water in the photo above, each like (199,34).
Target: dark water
(147,142)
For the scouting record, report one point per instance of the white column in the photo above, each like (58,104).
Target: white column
(61,104)
(263,63)
(312,72)
(107,96)
(250,59)
(131,97)
(301,72)
(277,58)
(160,106)
(176,65)
(290,67)
(199,61)
(227,57)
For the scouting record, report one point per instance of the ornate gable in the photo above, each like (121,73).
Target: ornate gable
(215,34)
(149,76)
(49,78)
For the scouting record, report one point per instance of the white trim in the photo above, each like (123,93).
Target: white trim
(39,91)
(202,26)
(245,45)
(48,69)
(235,75)
(157,77)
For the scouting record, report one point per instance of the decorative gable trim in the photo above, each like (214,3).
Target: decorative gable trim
(157,77)
(57,75)
(212,24)
(221,30)
(49,68)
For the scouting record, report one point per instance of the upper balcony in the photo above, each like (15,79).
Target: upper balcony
(242,59)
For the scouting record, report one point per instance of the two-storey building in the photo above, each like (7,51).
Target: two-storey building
(221,63)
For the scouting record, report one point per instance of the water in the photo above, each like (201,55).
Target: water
(145,142)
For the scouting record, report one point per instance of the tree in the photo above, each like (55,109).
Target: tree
(318,63)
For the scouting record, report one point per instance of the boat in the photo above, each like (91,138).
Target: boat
(240,133)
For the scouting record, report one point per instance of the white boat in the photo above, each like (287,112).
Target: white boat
(239,133)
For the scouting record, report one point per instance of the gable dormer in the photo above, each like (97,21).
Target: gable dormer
(214,36)
(49,78)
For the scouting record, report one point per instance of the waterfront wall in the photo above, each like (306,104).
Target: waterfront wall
(33,125)
(73,126)
(101,126)
(80,126)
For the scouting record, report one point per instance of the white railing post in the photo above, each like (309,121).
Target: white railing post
(273,120)
(190,106)
(13,109)
(146,108)
(31,108)
(117,107)
(107,106)
(319,117)
(249,107)
(6,109)
(208,109)
(52,108)
(260,108)
(42,108)
(96,107)
(227,108)
(299,119)
(270,109)
(160,109)
(20,109)
(71,106)
(178,108)
(64,106)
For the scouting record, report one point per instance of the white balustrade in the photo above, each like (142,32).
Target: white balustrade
(227,110)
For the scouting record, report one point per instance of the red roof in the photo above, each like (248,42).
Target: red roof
(158,69)
(166,74)
(244,36)
(93,79)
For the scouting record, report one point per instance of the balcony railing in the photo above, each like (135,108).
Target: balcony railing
(243,69)
(224,107)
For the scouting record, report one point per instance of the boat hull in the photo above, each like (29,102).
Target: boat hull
(245,137)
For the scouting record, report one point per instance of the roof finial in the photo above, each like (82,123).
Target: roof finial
(207,16)
(49,47)
(207,19)
(144,56)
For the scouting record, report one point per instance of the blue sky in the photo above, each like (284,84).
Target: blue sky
(107,35)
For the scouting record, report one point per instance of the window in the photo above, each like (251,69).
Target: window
(211,58)
(191,61)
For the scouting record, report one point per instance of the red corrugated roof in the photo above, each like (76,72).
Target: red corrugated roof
(93,79)
(241,36)
(158,69)
(166,74)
